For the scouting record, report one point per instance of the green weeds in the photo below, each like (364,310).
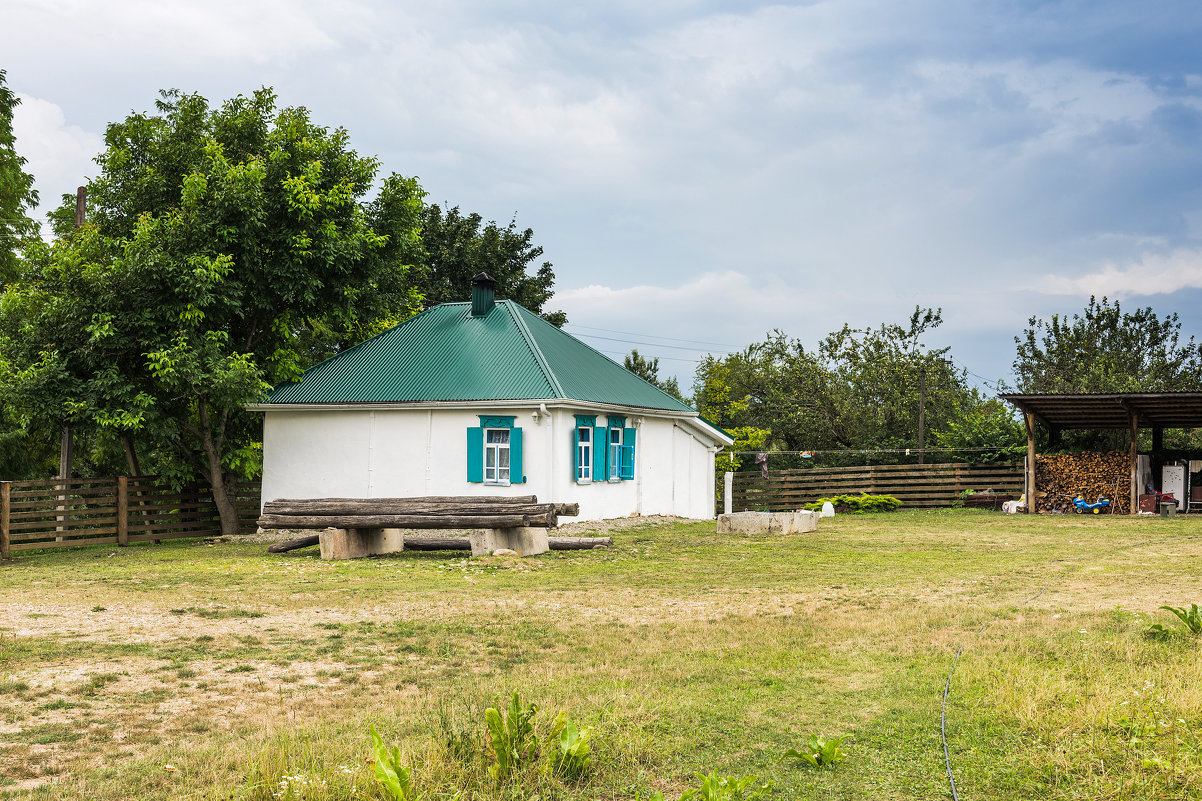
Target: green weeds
(511,737)
(819,752)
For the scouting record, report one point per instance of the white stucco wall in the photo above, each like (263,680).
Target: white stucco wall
(415,452)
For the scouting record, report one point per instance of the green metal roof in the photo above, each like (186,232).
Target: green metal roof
(446,354)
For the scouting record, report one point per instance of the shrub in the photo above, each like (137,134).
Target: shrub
(858,504)
(819,752)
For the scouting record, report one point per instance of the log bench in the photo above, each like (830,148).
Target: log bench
(356,527)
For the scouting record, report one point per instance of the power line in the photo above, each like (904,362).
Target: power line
(635,342)
(651,336)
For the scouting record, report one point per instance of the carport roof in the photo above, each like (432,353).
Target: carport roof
(1110,410)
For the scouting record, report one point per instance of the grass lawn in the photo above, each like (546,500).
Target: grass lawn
(194,671)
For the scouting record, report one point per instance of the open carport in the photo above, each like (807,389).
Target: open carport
(1117,410)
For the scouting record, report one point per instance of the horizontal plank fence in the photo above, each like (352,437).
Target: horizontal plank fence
(57,513)
(928,485)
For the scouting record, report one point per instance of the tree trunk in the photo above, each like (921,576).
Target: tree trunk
(222,489)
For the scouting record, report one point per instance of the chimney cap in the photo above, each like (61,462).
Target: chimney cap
(484,279)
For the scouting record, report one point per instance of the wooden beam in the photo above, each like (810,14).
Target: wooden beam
(122,511)
(1029,419)
(1133,453)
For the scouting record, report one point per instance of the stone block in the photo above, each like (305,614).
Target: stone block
(355,543)
(526,540)
(342,543)
(767,522)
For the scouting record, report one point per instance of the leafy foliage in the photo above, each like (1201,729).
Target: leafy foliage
(1191,619)
(570,752)
(389,772)
(511,737)
(1104,349)
(858,389)
(227,249)
(819,752)
(648,370)
(17,195)
(858,504)
(457,246)
(725,788)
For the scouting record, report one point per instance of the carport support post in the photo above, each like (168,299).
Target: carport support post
(1030,421)
(5,512)
(1133,422)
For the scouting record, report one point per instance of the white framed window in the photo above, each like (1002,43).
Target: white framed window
(615,454)
(496,455)
(584,454)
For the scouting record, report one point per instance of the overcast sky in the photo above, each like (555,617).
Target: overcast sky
(700,173)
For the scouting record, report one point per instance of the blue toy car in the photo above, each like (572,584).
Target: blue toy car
(1082,506)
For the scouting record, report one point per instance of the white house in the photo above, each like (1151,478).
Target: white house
(487,398)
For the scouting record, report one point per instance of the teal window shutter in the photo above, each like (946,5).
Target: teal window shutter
(515,457)
(475,455)
(626,469)
(576,453)
(600,448)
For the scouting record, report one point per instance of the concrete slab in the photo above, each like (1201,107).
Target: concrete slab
(767,522)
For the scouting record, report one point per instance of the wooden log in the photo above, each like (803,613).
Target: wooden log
(404,521)
(476,500)
(385,507)
(292,545)
(452,543)
(578,543)
(567,509)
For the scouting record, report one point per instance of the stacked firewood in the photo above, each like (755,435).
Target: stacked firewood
(428,512)
(1060,477)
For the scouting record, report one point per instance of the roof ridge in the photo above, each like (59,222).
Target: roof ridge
(672,398)
(539,357)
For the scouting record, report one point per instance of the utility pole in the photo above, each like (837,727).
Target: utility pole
(66,451)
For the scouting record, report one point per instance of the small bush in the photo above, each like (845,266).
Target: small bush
(571,755)
(858,504)
(511,737)
(1190,618)
(819,752)
(725,788)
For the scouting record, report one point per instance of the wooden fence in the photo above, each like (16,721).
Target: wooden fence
(102,511)
(914,485)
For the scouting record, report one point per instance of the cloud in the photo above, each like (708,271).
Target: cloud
(58,155)
(1154,274)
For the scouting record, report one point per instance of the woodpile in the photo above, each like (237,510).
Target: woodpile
(1060,477)
(429,512)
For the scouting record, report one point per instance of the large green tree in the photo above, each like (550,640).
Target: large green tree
(1104,349)
(458,246)
(227,249)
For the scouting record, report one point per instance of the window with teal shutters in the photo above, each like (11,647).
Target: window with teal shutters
(494,452)
(475,455)
(582,448)
(600,437)
(626,470)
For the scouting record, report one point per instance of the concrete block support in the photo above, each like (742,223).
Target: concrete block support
(527,540)
(767,522)
(355,543)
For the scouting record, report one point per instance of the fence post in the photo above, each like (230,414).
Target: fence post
(122,510)
(728,491)
(5,510)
